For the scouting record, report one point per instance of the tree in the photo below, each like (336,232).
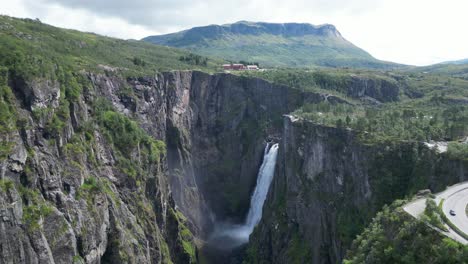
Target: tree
(339,123)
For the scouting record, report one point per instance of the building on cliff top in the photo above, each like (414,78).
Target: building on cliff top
(240,67)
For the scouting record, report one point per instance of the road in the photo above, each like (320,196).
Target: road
(457,201)
(456,198)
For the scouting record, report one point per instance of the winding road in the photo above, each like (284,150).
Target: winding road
(455,198)
(457,201)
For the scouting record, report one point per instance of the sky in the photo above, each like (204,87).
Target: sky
(416,32)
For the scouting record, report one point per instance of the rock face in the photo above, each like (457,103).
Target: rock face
(216,134)
(83,183)
(215,127)
(63,197)
(373,89)
(67,195)
(328,185)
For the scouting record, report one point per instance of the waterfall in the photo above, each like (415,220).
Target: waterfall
(264,178)
(239,234)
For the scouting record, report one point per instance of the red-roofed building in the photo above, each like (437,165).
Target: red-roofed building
(235,67)
(239,67)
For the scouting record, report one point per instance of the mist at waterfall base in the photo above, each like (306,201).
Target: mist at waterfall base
(228,235)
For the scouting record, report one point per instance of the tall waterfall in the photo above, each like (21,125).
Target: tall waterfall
(239,234)
(264,178)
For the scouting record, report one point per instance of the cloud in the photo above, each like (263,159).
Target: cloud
(413,32)
(161,15)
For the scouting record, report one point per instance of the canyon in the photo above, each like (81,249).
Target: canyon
(115,151)
(215,128)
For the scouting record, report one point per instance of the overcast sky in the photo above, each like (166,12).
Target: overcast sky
(417,32)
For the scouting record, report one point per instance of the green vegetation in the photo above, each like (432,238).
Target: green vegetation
(392,122)
(453,70)
(7,113)
(297,251)
(458,150)
(351,221)
(425,107)
(33,213)
(128,137)
(78,260)
(257,42)
(6,185)
(449,223)
(415,106)
(92,187)
(434,215)
(194,59)
(89,190)
(396,237)
(185,237)
(335,81)
(30,48)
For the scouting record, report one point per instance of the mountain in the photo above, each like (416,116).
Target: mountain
(106,159)
(457,62)
(272,44)
(458,69)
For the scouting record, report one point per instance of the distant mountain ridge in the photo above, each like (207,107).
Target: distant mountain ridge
(457,62)
(272,44)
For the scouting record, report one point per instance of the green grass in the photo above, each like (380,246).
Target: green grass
(7,113)
(33,49)
(6,185)
(185,236)
(33,213)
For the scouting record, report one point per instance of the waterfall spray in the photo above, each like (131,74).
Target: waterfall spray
(239,234)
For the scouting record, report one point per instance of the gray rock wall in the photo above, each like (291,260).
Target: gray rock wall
(329,184)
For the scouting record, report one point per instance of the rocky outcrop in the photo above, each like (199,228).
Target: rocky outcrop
(328,185)
(379,89)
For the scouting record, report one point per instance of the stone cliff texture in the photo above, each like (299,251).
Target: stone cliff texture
(328,184)
(66,195)
(82,183)
(126,169)
(215,127)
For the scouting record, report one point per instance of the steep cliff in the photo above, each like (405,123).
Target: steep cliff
(328,185)
(215,127)
(82,182)
(86,175)
(217,131)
